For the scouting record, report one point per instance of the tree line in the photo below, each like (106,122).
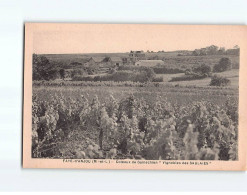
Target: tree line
(215,50)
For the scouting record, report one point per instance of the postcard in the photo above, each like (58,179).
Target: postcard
(135,96)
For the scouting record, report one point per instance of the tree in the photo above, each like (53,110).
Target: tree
(223,65)
(62,73)
(222,50)
(219,81)
(43,69)
(203,69)
(212,50)
(236,47)
(196,52)
(39,63)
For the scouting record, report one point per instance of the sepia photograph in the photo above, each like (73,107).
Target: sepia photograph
(132,95)
(123,96)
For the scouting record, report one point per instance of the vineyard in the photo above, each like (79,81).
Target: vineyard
(132,127)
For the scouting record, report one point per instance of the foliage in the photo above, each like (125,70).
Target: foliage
(67,127)
(43,69)
(156,69)
(165,70)
(145,75)
(223,65)
(189,77)
(158,79)
(219,81)
(202,69)
(215,50)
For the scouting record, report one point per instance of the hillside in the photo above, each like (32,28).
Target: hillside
(171,59)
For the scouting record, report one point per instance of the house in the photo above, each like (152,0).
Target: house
(107,62)
(94,61)
(149,63)
(125,60)
(116,61)
(104,62)
(135,56)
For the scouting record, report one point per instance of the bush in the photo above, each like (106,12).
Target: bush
(224,64)
(158,79)
(157,70)
(143,76)
(203,69)
(219,81)
(189,77)
(235,65)
(133,68)
(165,70)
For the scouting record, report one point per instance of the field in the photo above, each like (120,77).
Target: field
(179,95)
(171,59)
(153,123)
(232,75)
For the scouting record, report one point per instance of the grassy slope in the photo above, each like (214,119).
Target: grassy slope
(180,95)
(170,58)
(233,75)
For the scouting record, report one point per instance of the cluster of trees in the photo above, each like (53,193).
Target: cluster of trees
(220,81)
(166,70)
(143,74)
(215,50)
(44,69)
(223,65)
(203,71)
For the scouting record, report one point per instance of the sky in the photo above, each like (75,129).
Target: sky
(114,38)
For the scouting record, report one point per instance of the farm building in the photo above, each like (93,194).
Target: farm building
(149,63)
(135,56)
(111,62)
(94,61)
(116,61)
(125,60)
(104,61)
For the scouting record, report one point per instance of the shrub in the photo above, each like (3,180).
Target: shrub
(158,79)
(165,70)
(188,71)
(223,65)
(133,68)
(112,71)
(143,76)
(76,72)
(235,65)
(82,78)
(156,69)
(189,77)
(203,69)
(219,81)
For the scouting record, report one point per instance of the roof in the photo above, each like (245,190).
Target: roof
(116,59)
(106,59)
(97,59)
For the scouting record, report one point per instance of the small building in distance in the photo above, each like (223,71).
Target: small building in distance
(125,60)
(112,61)
(135,56)
(104,62)
(94,61)
(149,63)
